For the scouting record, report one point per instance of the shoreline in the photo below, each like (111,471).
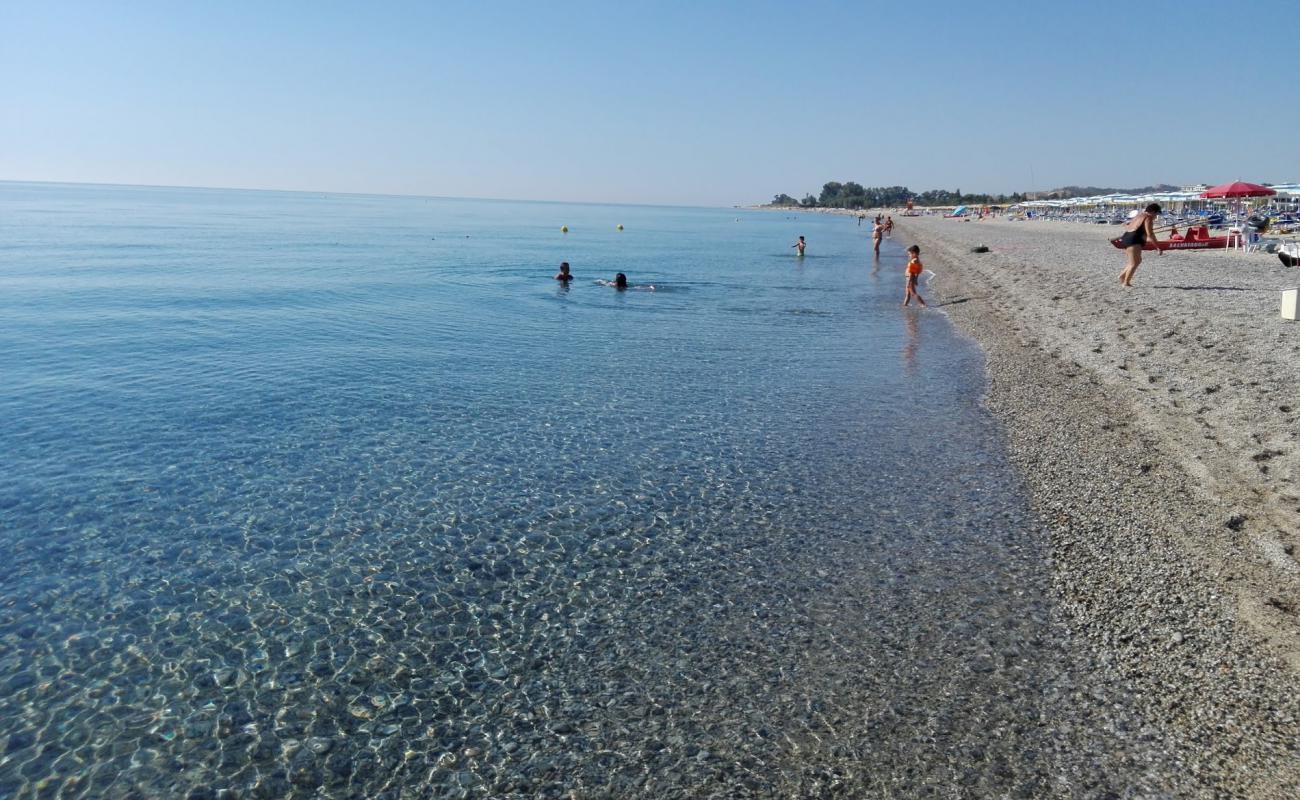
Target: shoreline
(1173,576)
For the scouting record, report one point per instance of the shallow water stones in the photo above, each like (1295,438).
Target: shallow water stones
(229,678)
(320,745)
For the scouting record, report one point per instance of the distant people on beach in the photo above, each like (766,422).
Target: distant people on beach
(877,233)
(564,275)
(914,270)
(800,246)
(1139,231)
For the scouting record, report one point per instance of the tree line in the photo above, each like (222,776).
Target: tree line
(850,194)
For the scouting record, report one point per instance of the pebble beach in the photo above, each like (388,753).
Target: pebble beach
(1156,430)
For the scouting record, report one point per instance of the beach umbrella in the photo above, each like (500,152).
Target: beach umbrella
(1241,190)
(1238,189)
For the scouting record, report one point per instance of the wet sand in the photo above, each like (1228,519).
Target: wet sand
(1156,428)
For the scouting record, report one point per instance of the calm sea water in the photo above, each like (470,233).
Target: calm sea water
(324,495)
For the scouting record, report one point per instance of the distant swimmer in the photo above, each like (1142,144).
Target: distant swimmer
(620,283)
(877,233)
(914,270)
(564,276)
(800,246)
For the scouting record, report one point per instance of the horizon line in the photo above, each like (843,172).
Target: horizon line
(361,194)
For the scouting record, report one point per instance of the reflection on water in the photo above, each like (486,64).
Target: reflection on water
(316,495)
(912,341)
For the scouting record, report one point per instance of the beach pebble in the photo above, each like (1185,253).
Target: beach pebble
(320,745)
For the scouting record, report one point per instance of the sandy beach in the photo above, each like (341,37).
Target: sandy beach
(1156,428)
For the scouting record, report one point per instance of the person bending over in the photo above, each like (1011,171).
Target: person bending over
(1139,231)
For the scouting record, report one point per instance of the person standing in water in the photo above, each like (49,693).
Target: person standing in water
(799,245)
(1139,231)
(889,227)
(877,233)
(914,269)
(564,276)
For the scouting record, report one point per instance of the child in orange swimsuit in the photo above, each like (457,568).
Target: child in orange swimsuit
(914,268)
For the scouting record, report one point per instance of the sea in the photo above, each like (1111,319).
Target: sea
(335,495)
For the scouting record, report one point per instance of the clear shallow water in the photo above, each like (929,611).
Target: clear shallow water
(343,496)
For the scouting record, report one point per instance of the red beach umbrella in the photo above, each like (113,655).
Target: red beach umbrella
(1238,189)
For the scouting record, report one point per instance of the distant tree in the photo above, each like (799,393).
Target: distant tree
(851,194)
(831,193)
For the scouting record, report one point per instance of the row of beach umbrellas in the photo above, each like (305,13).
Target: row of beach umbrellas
(1233,190)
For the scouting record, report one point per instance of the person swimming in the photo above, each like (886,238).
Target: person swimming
(564,276)
(620,283)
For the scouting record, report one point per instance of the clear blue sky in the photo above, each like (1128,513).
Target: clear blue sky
(683,103)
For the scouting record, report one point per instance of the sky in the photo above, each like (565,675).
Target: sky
(680,103)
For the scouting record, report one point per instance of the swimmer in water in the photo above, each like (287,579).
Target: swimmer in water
(620,283)
(800,245)
(877,233)
(564,276)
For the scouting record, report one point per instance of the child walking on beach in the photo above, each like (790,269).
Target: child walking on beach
(914,268)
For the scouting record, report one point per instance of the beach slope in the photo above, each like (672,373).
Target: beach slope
(1157,429)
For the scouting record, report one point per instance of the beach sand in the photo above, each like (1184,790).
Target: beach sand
(1157,430)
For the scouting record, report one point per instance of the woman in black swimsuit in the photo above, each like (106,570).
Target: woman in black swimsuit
(1136,235)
